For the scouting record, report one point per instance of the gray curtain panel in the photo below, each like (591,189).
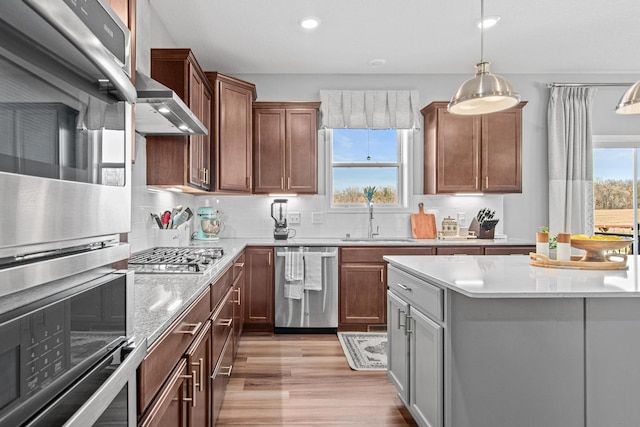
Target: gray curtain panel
(375,109)
(570,160)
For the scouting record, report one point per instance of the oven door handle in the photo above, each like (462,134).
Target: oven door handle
(93,408)
(59,16)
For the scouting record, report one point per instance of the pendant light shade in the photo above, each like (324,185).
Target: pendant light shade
(630,101)
(485,92)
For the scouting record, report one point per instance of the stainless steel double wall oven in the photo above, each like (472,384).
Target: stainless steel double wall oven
(67,354)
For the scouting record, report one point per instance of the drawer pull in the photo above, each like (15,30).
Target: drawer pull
(191,399)
(239,264)
(194,326)
(404,287)
(228,368)
(200,364)
(226,322)
(238,300)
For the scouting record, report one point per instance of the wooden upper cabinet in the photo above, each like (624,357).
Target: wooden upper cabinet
(472,153)
(183,161)
(285,136)
(232,131)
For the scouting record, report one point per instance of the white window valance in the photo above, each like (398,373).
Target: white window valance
(375,109)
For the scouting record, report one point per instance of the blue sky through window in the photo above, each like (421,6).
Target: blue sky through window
(613,163)
(354,146)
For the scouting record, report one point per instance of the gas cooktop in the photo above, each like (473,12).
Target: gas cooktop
(175,260)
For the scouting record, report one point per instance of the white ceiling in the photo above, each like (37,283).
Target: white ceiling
(413,36)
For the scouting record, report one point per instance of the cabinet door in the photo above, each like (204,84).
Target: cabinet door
(235,140)
(363,294)
(206,141)
(199,367)
(501,145)
(195,141)
(398,357)
(301,151)
(426,370)
(258,300)
(238,314)
(268,150)
(169,409)
(458,152)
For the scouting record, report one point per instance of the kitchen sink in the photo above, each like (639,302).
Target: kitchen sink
(377,239)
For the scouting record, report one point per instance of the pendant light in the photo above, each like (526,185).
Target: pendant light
(630,101)
(485,92)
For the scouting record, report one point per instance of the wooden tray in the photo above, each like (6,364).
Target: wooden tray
(541,260)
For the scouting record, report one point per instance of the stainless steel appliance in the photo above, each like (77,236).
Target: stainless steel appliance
(65,122)
(67,354)
(302,306)
(175,260)
(279,215)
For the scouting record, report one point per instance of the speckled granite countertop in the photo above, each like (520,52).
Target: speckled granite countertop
(161,298)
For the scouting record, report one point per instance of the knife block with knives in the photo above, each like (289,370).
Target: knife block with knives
(484,225)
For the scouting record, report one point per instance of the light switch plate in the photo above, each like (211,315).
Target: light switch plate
(294,218)
(317,218)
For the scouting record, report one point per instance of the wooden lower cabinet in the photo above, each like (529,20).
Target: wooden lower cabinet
(169,409)
(258,295)
(183,379)
(362,291)
(362,287)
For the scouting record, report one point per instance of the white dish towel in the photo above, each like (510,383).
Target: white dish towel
(293,266)
(313,271)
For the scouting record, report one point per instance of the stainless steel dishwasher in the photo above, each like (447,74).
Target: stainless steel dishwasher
(306,289)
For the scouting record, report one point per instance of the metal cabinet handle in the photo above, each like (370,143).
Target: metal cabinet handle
(407,324)
(282,182)
(206,175)
(400,325)
(228,368)
(226,322)
(200,365)
(486,181)
(382,275)
(288,183)
(238,300)
(191,399)
(269,258)
(401,286)
(238,264)
(194,326)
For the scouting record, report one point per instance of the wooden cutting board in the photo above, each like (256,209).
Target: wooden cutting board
(423,226)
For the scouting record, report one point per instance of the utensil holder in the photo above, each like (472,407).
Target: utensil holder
(480,232)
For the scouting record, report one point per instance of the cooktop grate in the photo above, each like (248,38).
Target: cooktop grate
(175,260)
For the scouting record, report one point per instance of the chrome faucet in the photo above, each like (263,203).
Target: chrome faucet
(371,233)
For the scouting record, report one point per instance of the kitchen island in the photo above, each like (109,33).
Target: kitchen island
(493,341)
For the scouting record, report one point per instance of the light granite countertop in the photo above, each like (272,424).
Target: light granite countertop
(512,276)
(161,298)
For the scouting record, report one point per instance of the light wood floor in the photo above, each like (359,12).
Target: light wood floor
(296,380)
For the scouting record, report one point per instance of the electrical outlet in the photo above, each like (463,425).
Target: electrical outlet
(294,218)
(317,218)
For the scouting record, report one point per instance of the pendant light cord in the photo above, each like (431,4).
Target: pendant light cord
(481,31)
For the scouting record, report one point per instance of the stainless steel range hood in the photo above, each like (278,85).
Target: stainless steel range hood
(159,111)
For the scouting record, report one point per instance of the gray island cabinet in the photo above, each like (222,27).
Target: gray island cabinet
(491,341)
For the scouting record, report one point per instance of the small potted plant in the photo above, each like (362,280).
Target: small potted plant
(369,192)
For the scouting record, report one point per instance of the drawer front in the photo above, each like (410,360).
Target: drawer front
(220,378)
(170,347)
(509,250)
(220,287)
(375,254)
(460,250)
(222,321)
(422,295)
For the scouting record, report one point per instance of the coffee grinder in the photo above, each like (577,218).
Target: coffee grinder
(279,215)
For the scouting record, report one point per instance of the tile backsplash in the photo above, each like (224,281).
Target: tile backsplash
(250,216)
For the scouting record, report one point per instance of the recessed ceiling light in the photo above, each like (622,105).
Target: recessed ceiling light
(377,62)
(309,23)
(489,21)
